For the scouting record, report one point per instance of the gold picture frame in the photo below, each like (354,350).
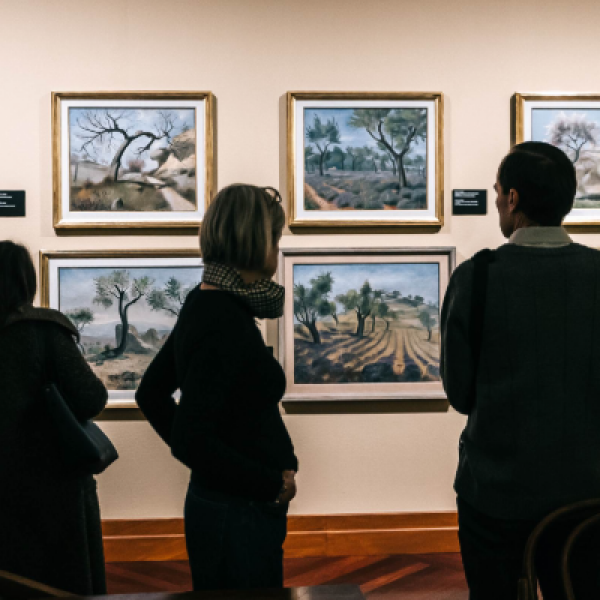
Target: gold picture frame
(361,200)
(331,352)
(167,139)
(71,281)
(548,117)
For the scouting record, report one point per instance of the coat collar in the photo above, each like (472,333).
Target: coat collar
(31,313)
(547,237)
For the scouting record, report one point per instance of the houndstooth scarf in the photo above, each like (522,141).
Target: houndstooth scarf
(264,297)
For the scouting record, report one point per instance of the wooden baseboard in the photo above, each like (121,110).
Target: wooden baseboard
(308,535)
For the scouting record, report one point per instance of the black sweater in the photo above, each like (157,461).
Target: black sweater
(532,440)
(227,427)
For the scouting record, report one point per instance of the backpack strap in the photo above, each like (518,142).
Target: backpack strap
(481,262)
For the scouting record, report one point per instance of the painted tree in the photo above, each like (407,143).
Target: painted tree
(419,162)
(308,154)
(427,321)
(312,303)
(113,129)
(571,133)
(390,316)
(388,156)
(333,313)
(361,302)
(380,309)
(351,152)
(170,298)
(80,317)
(337,158)
(376,158)
(394,130)
(322,136)
(120,287)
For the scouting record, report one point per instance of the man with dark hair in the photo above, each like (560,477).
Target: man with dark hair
(520,346)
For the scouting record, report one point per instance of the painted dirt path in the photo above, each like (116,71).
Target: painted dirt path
(323,204)
(175,200)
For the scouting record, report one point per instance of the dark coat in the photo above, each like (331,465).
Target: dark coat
(531,442)
(49,522)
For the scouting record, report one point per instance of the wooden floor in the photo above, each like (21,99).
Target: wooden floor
(409,576)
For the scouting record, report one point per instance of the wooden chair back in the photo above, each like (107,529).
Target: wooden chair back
(528,580)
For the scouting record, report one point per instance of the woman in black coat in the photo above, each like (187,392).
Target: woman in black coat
(49,521)
(227,427)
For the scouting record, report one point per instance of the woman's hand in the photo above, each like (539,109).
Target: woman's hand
(289,482)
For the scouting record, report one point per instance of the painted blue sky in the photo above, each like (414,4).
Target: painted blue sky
(77,290)
(133,120)
(350,136)
(541,117)
(416,279)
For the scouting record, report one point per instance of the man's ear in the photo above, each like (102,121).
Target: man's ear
(513,200)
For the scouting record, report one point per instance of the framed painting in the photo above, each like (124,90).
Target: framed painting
(124,305)
(365,159)
(363,324)
(571,122)
(126,160)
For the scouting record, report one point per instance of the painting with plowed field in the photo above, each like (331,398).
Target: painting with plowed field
(366,323)
(363,324)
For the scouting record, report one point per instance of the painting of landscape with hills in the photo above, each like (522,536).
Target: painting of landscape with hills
(132,159)
(366,323)
(124,315)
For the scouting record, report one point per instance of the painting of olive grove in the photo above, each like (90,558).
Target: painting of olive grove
(124,315)
(577,133)
(366,323)
(132,159)
(365,159)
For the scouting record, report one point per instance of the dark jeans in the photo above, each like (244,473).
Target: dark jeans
(492,553)
(233,543)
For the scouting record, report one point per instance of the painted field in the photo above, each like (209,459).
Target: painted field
(399,349)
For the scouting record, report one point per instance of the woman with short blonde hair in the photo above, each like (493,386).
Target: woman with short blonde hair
(227,427)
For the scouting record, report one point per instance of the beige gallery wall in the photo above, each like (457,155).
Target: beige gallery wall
(249,53)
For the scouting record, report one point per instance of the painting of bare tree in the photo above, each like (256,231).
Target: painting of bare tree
(143,161)
(365,159)
(363,322)
(571,123)
(132,159)
(123,308)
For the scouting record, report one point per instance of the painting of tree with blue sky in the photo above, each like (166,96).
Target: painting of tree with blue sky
(365,159)
(577,133)
(366,323)
(124,315)
(132,159)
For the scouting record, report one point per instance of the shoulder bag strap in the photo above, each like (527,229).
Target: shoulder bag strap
(481,262)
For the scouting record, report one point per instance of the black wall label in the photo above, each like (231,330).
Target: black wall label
(469,202)
(12,204)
